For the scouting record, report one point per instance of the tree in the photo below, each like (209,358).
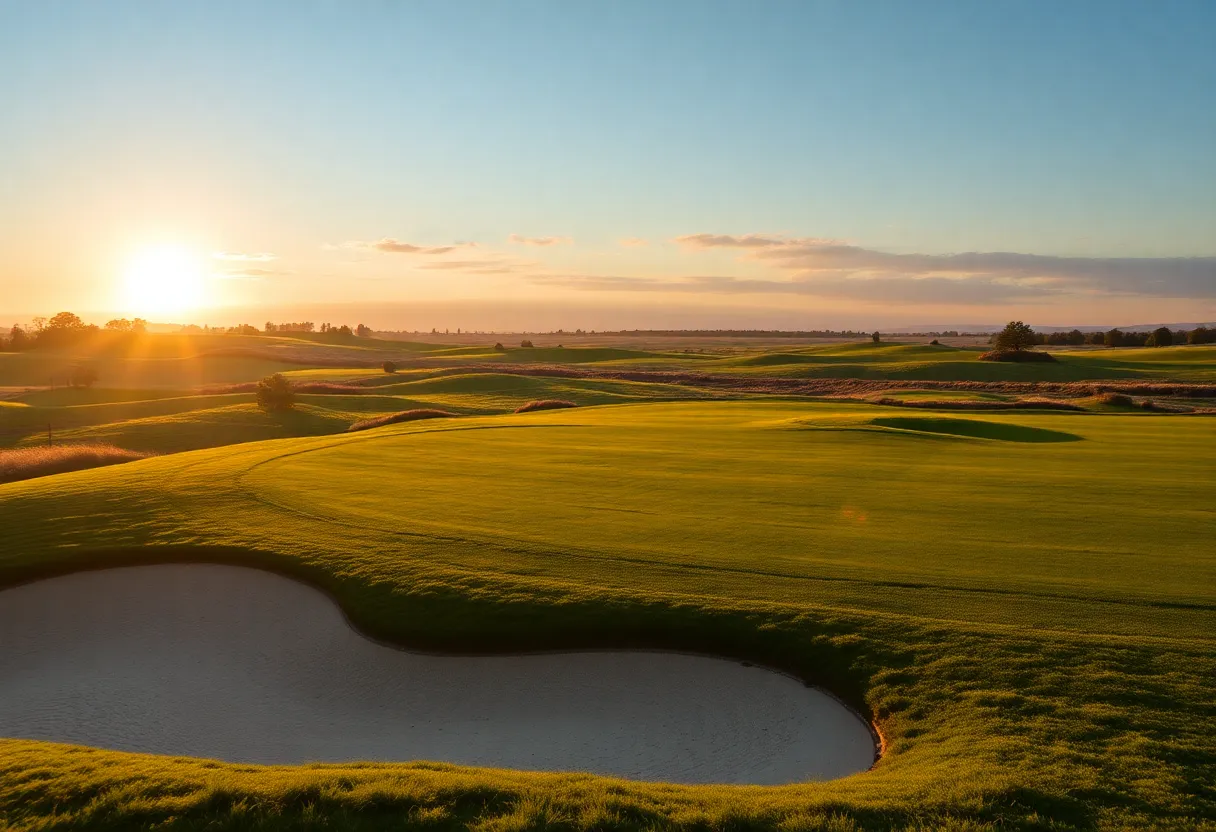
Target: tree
(1113,338)
(274,393)
(82,376)
(65,320)
(270,327)
(526,344)
(118,325)
(1015,336)
(363,331)
(876,337)
(1198,335)
(139,325)
(1160,337)
(1096,338)
(390,366)
(17,339)
(1076,338)
(498,347)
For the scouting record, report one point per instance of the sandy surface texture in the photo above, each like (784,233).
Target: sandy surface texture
(243,665)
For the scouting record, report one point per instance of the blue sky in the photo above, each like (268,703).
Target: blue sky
(1082,133)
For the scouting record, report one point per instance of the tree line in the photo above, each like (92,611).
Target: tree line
(62,329)
(1162,336)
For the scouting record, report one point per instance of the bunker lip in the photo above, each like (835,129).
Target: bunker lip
(121,558)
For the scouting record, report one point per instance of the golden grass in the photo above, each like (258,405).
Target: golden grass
(27,463)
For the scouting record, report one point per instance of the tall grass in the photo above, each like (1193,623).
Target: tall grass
(27,463)
(544,404)
(403,416)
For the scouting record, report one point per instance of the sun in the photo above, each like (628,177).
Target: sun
(164,279)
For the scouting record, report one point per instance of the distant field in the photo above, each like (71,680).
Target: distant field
(1023,601)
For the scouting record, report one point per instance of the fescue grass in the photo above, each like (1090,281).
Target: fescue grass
(545,404)
(1030,623)
(397,418)
(27,463)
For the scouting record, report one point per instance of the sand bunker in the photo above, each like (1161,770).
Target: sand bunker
(242,665)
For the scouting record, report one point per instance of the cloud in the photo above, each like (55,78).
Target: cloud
(248,274)
(830,266)
(633,242)
(539,241)
(748,241)
(390,246)
(246,258)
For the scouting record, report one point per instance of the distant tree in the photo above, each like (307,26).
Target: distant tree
(17,339)
(498,347)
(65,320)
(363,331)
(1200,335)
(1016,336)
(139,325)
(1113,338)
(270,327)
(274,393)
(1076,337)
(935,343)
(83,375)
(118,325)
(526,344)
(876,337)
(1096,338)
(390,366)
(1162,336)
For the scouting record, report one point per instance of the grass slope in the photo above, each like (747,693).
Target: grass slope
(1030,622)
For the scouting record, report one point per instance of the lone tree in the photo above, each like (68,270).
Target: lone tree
(390,366)
(1015,336)
(876,337)
(275,393)
(1160,337)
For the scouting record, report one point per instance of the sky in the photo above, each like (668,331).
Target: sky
(516,165)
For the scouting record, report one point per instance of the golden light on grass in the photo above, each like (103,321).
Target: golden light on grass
(164,279)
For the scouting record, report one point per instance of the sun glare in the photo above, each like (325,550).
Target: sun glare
(164,280)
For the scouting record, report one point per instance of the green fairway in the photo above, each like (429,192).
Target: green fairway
(1023,601)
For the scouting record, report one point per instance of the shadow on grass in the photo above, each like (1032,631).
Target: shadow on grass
(974,428)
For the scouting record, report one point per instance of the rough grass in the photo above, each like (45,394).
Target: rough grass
(27,463)
(965,404)
(545,404)
(403,416)
(1029,623)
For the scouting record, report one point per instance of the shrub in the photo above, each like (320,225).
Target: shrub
(876,337)
(935,343)
(544,404)
(1016,336)
(275,393)
(1116,399)
(526,344)
(390,366)
(499,347)
(83,376)
(27,463)
(1017,355)
(394,418)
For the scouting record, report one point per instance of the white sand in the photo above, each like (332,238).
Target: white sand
(242,665)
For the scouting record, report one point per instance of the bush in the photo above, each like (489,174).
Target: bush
(499,347)
(275,393)
(83,376)
(27,463)
(876,337)
(1017,355)
(394,418)
(526,344)
(935,343)
(1116,399)
(390,366)
(544,404)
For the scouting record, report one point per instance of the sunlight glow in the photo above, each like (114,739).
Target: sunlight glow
(163,280)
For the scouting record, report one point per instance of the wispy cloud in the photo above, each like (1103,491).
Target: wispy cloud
(633,242)
(827,267)
(390,246)
(749,241)
(539,241)
(248,274)
(244,258)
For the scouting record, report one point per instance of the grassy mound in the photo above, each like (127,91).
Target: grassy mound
(1019,356)
(545,404)
(397,418)
(975,428)
(27,463)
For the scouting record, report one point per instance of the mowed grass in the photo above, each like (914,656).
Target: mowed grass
(1031,623)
